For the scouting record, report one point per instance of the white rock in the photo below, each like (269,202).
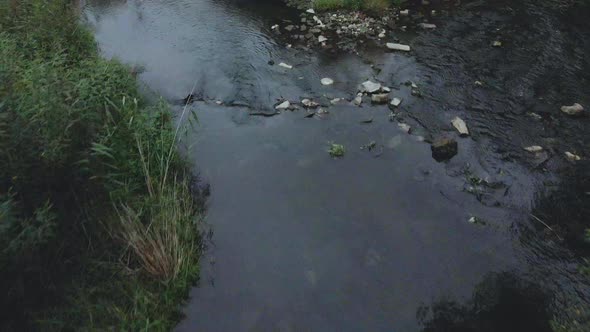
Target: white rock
(398,47)
(327,81)
(284,65)
(283,106)
(322,39)
(534,148)
(385,89)
(575,109)
(370,87)
(310,11)
(460,125)
(396,102)
(405,127)
(572,157)
(309,103)
(381,35)
(380,98)
(404,12)
(427,25)
(218,102)
(358,100)
(274,27)
(497,43)
(335,101)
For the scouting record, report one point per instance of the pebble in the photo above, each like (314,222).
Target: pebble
(380,98)
(460,125)
(398,47)
(574,110)
(327,81)
(396,102)
(335,101)
(358,100)
(497,43)
(283,106)
(572,157)
(427,25)
(322,39)
(284,65)
(309,103)
(370,87)
(310,11)
(404,12)
(534,148)
(405,127)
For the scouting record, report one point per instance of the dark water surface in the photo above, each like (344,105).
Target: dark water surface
(377,240)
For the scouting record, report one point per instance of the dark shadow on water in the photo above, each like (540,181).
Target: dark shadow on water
(500,302)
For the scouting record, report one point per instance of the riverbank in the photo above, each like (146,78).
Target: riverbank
(98,211)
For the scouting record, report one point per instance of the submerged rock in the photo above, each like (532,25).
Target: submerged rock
(358,100)
(460,125)
(284,65)
(396,102)
(398,47)
(444,149)
(327,81)
(370,87)
(574,110)
(380,98)
(405,127)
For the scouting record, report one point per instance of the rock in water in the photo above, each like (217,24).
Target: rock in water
(405,12)
(309,103)
(398,47)
(358,100)
(327,81)
(427,25)
(574,110)
(405,127)
(380,98)
(572,157)
(322,39)
(460,126)
(444,149)
(534,148)
(396,102)
(283,106)
(310,11)
(370,87)
(289,28)
(284,65)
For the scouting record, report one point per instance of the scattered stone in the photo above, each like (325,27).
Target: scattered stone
(284,65)
(404,127)
(322,111)
(534,148)
(380,98)
(461,127)
(572,157)
(289,27)
(283,106)
(535,116)
(573,110)
(381,34)
(370,87)
(396,102)
(310,11)
(385,89)
(309,103)
(335,101)
(218,102)
(444,149)
(275,27)
(497,43)
(322,39)
(358,100)
(303,28)
(327,81)
(478,83)
(369,120)
(427,26)
(398,47)
(404,12)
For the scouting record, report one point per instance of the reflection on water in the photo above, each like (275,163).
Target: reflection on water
(302,241)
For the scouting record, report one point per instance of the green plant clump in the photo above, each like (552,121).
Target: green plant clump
(336,150)
(98,227)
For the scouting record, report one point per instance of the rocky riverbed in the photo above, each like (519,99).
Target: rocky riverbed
(357,187)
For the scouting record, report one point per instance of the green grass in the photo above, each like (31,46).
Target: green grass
(98,228)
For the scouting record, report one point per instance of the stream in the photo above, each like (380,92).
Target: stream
(387,238)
